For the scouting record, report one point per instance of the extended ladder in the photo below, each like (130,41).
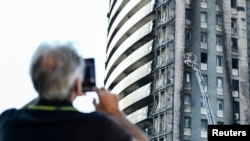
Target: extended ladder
(191,60)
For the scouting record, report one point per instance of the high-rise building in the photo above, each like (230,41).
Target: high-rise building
(146,42)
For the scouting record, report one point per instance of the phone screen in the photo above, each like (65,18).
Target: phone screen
(89,75)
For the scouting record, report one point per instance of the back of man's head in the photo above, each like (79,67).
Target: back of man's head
(54,68)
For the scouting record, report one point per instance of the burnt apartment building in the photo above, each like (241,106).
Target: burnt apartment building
(168,99)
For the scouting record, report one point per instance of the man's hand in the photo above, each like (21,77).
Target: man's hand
(108,102)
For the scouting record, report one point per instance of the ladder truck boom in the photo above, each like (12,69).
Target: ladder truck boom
(191,60)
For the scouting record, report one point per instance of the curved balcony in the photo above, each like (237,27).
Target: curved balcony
(135,96)
(128,61)
(125,14)
(115,9)
(129,27)
(139,34)
(138,115)
(133,77)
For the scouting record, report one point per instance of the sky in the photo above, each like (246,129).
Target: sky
(26,23)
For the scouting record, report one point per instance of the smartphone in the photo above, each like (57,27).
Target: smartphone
(89,80)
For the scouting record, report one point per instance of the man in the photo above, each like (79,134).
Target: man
(57,73)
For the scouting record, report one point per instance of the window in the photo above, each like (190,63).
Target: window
(188,14)
(235,85)
(219,61)
(203,17)
(188,34)
(187,122)
(233,23)
(236,107)
(219,82)
(218,20)
(203,37)
(220,104)
(220,123)
(187,99)
(205,79)
(203,58)
(204,125)
(233,3)
(202,103)
(234,43)
(218,40)
(204,1)
(235,63)
(219,2)
(187,77)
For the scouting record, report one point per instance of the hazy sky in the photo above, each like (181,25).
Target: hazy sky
(25,23)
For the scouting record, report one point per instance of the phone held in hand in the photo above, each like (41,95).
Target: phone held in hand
(89,80)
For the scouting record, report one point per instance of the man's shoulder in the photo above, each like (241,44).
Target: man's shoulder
(96,115)
(103,119)
(8,112)
(110,126)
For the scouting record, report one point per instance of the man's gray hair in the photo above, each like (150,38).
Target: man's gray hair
(54,68)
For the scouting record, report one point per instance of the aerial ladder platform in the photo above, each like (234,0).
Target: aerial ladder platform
(191,60)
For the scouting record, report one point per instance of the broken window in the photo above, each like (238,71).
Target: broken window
(236,107)
(234,43)
(164,15)
(162,77)
(158,16)
(187,99)
(219,2)
(187,77)
(220,123)
(161,35)
(188,34)
(218,20)
(162,120)
(187,122)
(203,17)
(220,104)
(204,58)
(203,37)
(219,61)
(218,40)
(235,85)
(235,63)
(202,103)
(233,23)
(188,14)
(158,58)
(233,3)
(187,80)
(157,123)
(205,79)
(219,82)
(236,110)
(204,124)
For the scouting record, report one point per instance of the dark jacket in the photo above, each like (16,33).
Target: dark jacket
(58,121)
